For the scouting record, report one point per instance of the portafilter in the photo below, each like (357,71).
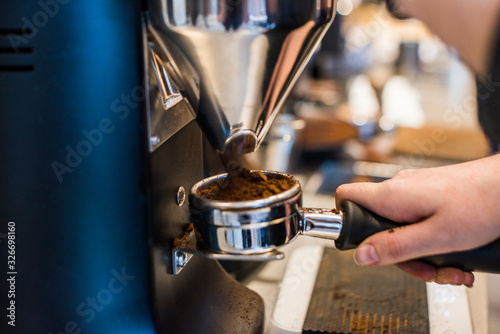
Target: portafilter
(243,228)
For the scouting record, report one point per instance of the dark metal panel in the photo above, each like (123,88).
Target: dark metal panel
(203,298)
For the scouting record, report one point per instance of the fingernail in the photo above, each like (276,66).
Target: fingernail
(365,255)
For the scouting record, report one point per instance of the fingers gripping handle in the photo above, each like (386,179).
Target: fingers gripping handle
(360,223)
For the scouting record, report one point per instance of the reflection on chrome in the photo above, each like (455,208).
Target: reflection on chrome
(247,54)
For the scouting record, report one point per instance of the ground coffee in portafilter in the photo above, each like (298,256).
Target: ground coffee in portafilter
(242,184)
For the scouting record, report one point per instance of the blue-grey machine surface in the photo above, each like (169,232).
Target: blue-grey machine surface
(104,107)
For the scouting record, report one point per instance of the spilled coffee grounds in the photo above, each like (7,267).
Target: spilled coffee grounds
(247,185)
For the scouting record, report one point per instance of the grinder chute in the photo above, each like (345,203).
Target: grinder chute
(236,61)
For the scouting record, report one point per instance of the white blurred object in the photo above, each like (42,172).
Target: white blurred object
(362,100)
(385,47)
(345,7)
(402,103)
(296,290)
(448,309)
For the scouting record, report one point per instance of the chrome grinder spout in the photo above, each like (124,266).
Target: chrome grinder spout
(245,55)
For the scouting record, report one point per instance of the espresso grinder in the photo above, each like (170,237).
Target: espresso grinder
(109,110)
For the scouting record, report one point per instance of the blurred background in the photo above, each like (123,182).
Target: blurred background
(380,95)
(380,90)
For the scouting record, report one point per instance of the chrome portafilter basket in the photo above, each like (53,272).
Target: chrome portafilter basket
(255,229)
(252,229)
(261,225)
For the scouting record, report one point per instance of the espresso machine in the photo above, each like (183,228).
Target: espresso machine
(109,112)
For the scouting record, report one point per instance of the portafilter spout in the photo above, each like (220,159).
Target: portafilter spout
(245,55)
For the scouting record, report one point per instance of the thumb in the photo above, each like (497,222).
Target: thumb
(401,244)
(366,194)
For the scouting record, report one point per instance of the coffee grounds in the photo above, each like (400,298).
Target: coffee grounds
(246,186)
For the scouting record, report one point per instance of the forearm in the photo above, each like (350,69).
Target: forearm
(469,26)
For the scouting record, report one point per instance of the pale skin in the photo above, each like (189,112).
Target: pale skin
(451,208)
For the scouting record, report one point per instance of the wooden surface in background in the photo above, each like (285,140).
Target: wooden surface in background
(441,142)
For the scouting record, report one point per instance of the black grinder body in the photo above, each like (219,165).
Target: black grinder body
(87,212)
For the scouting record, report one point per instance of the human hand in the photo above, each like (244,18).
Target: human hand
(452,208)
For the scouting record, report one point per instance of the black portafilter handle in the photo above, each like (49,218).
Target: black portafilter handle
(360,223)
